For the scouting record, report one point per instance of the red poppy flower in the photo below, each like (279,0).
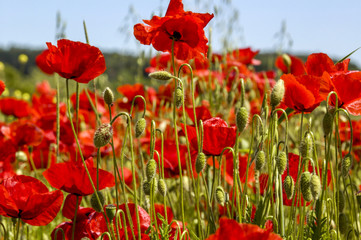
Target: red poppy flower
(76,180)
(162,61)
(318,63)
(303,93)
(185,28)
(29,199)
(15,107)
(23,132)
(2,87)
(42,63)
(129,92)
(232,230)
(202,113)
(296,68)
(216,136)
(75,60)
(243,56)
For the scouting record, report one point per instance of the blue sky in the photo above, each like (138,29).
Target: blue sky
(329,26)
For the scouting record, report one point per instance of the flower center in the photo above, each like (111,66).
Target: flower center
(176,36)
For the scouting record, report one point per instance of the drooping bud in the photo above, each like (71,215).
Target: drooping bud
(94,201)
(147,186)
(305,186)
(103,135)
(340,201)
(289,186)
(327,123)
(281,161)
(151,169)
(162,187)
(220,195)
(161,75)
(260,160)
(178,97)
(315,186)
(200,162)
(110,210)
(277,93)
(140,127)
(108,96)
(343,223)
(306,146)
(242,118)
(358,198)
(286,60)
(346,165)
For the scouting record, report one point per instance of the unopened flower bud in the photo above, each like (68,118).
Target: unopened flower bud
(277,93)
(21,156)
(327,123)
(94,201)
(103,135)
(140,127)
(108,96)
(161,75)
(260,160)
(220,195)
(306,146)
(315,186)
(305,186)
(358,198)
(151,169)
(147,186)
(281,161)
(178,97)
(343,223)
(200,162)
(289,186)
(110,210)
(242,118)
(340,201)
(162,187)
(346,165)
(286,60)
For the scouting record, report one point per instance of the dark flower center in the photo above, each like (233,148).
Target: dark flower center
(176,36)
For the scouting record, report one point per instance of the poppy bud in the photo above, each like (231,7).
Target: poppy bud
(151,169)
(340,201)
(277,93)
(305,186)
(289,186)
(310,216)
(110,210)
(327,123)
(162,187)
(306,146)
(94,201)
(358,198)
(103,135)
(242,118)
(178,97)
(21,156)
(346,165)
(200,162)
(281,161)
(108,96)
(286,60)
(140,127)
(260,160)
(147,187)
(343,223)
(315,186)
(161,75)
(220,195)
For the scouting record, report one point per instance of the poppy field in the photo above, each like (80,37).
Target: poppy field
(209,149)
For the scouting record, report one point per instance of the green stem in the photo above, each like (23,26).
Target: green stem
(57,119)
(74,220)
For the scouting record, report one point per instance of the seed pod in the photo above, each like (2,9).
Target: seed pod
(103,135)
(260,160)
(200,162)
(340,201)
(140,127)
(178,97)
(315,186)
(346,165)
(305,186)
(162,187)
(161,75)
(242,118)
(94,201)
(281,161)
(289,186)
(327,123)
(151,169)
(108,96)
(343,223)
(220,195)
(110,210)
(277,93)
